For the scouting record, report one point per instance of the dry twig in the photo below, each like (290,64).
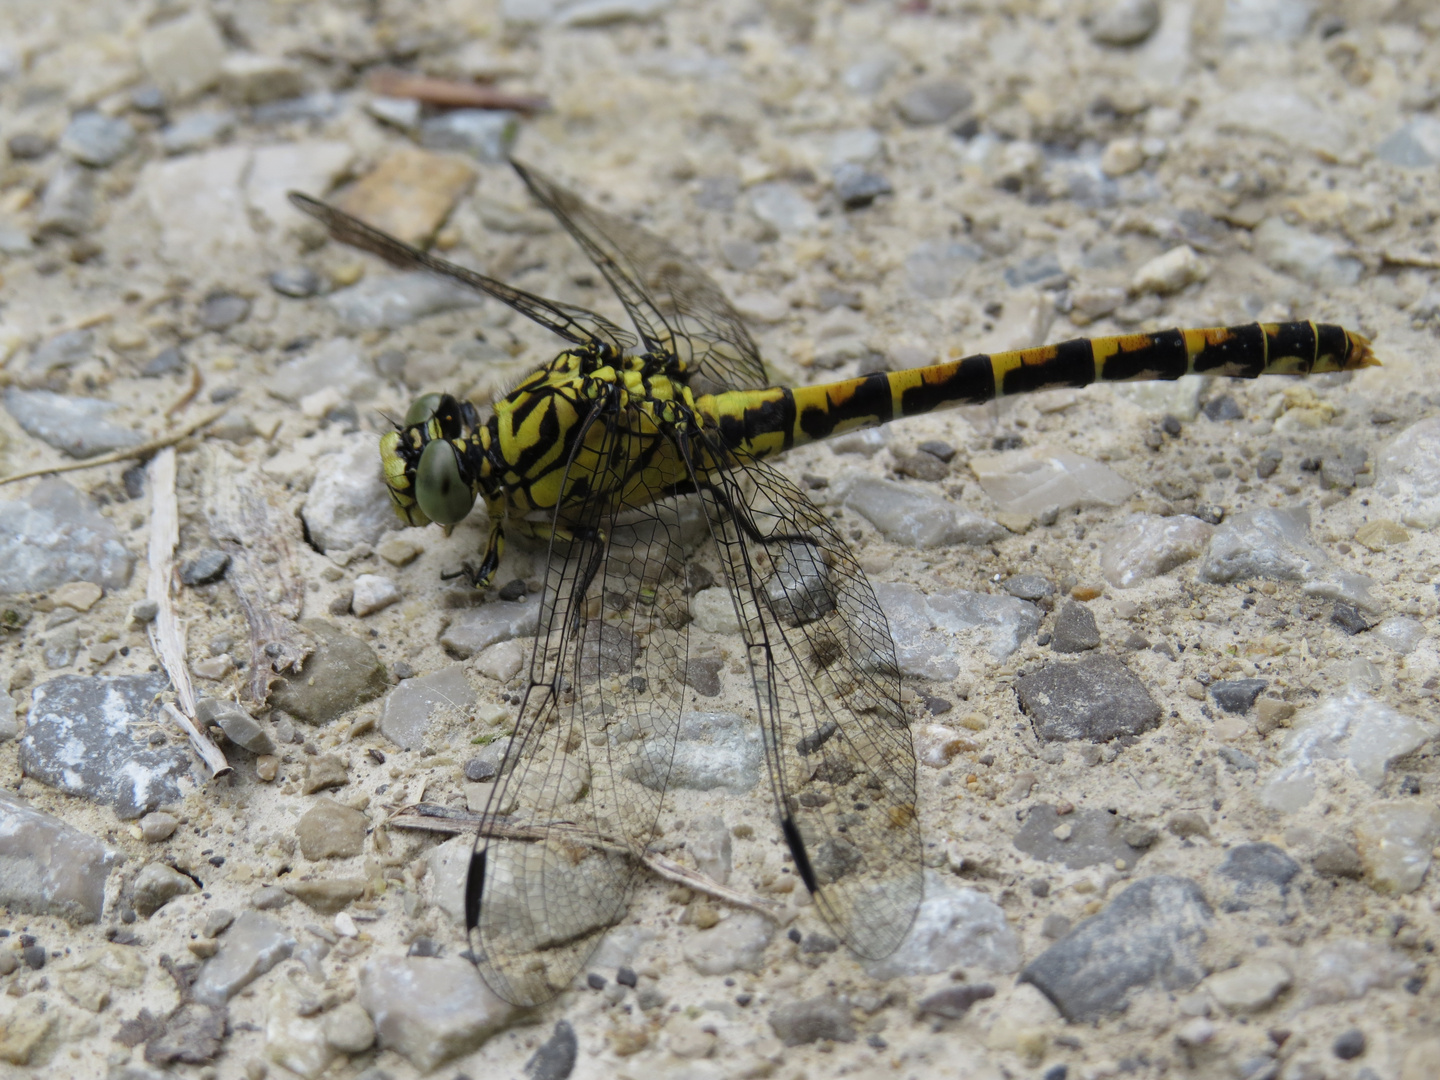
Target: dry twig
(145,449)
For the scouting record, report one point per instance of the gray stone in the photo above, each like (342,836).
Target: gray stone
(390,301)
(1353,726)
(555,1059)
(1080,839)
(1124,22)
(429,1010)
(954,1002)
(1040,270)
(327,896)
(713,750)
(1039,483)
(348,504)
(914,518)
(239,726)
(955,928)
(336,364)
(197,131)
(253,945)
(1312,258)
(372,593)
(1237,695)
(783,207)
(1414,145)
(857,187)
(156,885)
(931,630)
(299,282)
(485,134)
(68,205)
(1147,545)
(9,722)
(1148,937)
(206,567)
(805,1022)
(217,921)
(411,706)
(1075,629)
(95,139)
(1396,840)
(476,629)
(28,146)
(222,310)
(169,361)
(81,737)
(933,102)
(1030,587)
(56,535)
(73,425)
(935,268)
(1275,543)
(1253,875)
(734,944)
(1097,698)
(341,673)
(1407,470)
(60,353)
(49,868)
(329,830)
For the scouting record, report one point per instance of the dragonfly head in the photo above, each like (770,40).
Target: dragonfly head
(427,461)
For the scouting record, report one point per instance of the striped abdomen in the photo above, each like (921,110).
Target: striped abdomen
(764,422)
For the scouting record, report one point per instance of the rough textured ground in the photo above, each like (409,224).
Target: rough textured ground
(876,185)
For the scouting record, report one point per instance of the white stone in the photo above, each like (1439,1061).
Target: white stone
(1170,272)
(714,611)
(372,593)
(348,504)
(183,56)
(1407,469)
(1033,481)
(253,79)
(312,167)
(428,1009)
(198,206)
(734,944)
(1148,545)
(1396,841)
(296,1042)
(501,661)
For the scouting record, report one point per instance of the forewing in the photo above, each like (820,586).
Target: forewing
(839,748)
(675,305)
(575,324)
(592,751)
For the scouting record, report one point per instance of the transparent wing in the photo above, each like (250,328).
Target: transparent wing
(575,324)
(589,763)
(840,753)
(674,304)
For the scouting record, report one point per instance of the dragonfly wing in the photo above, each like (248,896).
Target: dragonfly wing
(575,324)
(591,754)
(674,304)
(839,748)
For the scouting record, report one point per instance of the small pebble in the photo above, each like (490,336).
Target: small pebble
(97,140)
(1349,1045)
(223,310)
(207,567)
(298,282)
(157,826)
(27,146)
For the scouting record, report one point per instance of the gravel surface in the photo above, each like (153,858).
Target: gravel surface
(1198,841)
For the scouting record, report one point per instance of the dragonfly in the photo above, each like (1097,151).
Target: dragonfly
(600,453)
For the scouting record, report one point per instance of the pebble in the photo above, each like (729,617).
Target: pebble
(410,193)
(205,568)
(1396,840)
(710,750)
(1237,695)
(1275,543)
(390,301)
(1094,838)
(68,205)
(60,353)
(15,241)
(708,842)
(1163,921)
(52,869)
(935,269)
(28,146)
(954,1002)
(414,704)
(1256,875)
(1353,725)
(501,661)
(1407,470)
(9,722)
(254,79)
(197,131)
(403,548)
(157,826)
(169,361)
(1075,630)
(294,1035)
(734,944)
(1415,144)
(183,56)
(1170,272)
(82,737)
(804,1022)
(1318,260)
(80,595)
(857,187)
(329,830)
(1041,483)
(339,674)
(156,885)
(94,139)
(1266,21)
(349,1029)
(933,102)
(485,134)
(1123,22)
(299,282)
(222,310)
(324,772)
(429,1010)
(476,629)
(327,896)
(914,518)
(931,630)
(955,928)
(193,1034)
(252,945)
(1031,587)
(1348,1045)
(1096,698)
(783,208)
(1401,633)
(335,365)
(1146,546)
(556,1056)
(373,593)
(73,425)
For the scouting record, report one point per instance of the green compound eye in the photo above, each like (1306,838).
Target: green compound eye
(442,495)
(422,409)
